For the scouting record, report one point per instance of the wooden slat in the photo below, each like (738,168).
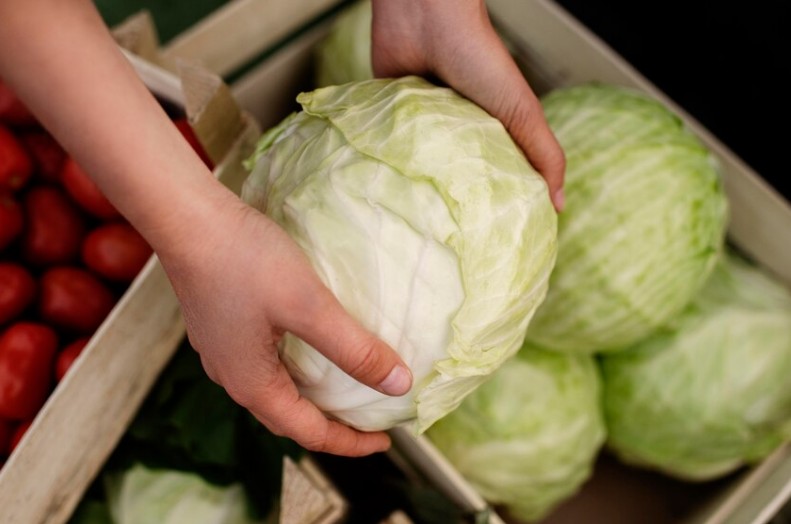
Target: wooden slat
(241,30)
(270,101)
(441,473)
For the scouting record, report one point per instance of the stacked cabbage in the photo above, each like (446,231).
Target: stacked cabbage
(528,438)
(695,366)
(712,392)
(694,362)
(644,221)
(426,221)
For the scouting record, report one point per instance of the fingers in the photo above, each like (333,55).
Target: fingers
(524,119)
(323,323)
(506,95)
(476,63)
(276,403)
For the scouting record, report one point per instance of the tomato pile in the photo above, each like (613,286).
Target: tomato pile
(66,257)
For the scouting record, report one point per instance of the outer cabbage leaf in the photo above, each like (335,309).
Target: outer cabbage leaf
(424,218)
(529,436)
(644,222)
(711,393)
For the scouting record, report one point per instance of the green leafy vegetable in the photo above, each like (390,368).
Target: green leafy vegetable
(711,393)
(528,437)
(189,424)
(140,494)
(344,55)
(424,218)
(644,221)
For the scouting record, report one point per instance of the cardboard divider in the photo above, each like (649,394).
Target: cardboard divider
(212,112)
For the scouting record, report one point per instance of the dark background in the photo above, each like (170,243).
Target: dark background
(726,63)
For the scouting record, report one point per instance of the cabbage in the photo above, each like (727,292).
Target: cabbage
(712,393)
(344,55)
(644,221)
(166,496)
(529,436)
(424,218)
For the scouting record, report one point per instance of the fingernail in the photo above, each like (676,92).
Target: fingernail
(398,382)
(559,199)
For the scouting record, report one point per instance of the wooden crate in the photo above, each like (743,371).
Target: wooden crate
(554,50)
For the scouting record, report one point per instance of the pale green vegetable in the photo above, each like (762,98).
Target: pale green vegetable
(166,496)
(344,55)
(528,437)
(712,393)
(423,217)
(644,221)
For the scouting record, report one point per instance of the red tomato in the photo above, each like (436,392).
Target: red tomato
(27,357)
(12,110)
(85,192)
(115,251)
(6,430)
(11,219)
(68,355)
(55,227)
(17,290)
(17,435)
(15,164)
(74,299)
(47,154)
(188,133)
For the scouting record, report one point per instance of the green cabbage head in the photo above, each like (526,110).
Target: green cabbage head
(344,55)
(529,436)
(424,218)
(165,496)
(644,221)
(712,393)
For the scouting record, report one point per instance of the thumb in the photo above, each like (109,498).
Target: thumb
(324,324)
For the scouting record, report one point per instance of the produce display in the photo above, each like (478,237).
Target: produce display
(66,257)
(693,343)
(423,217)
(625,325)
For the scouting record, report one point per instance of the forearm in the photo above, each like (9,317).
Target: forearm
(81,87)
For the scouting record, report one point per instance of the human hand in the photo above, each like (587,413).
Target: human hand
(455,41)
(241,288)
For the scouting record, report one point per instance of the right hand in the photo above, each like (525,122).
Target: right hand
(241,286)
